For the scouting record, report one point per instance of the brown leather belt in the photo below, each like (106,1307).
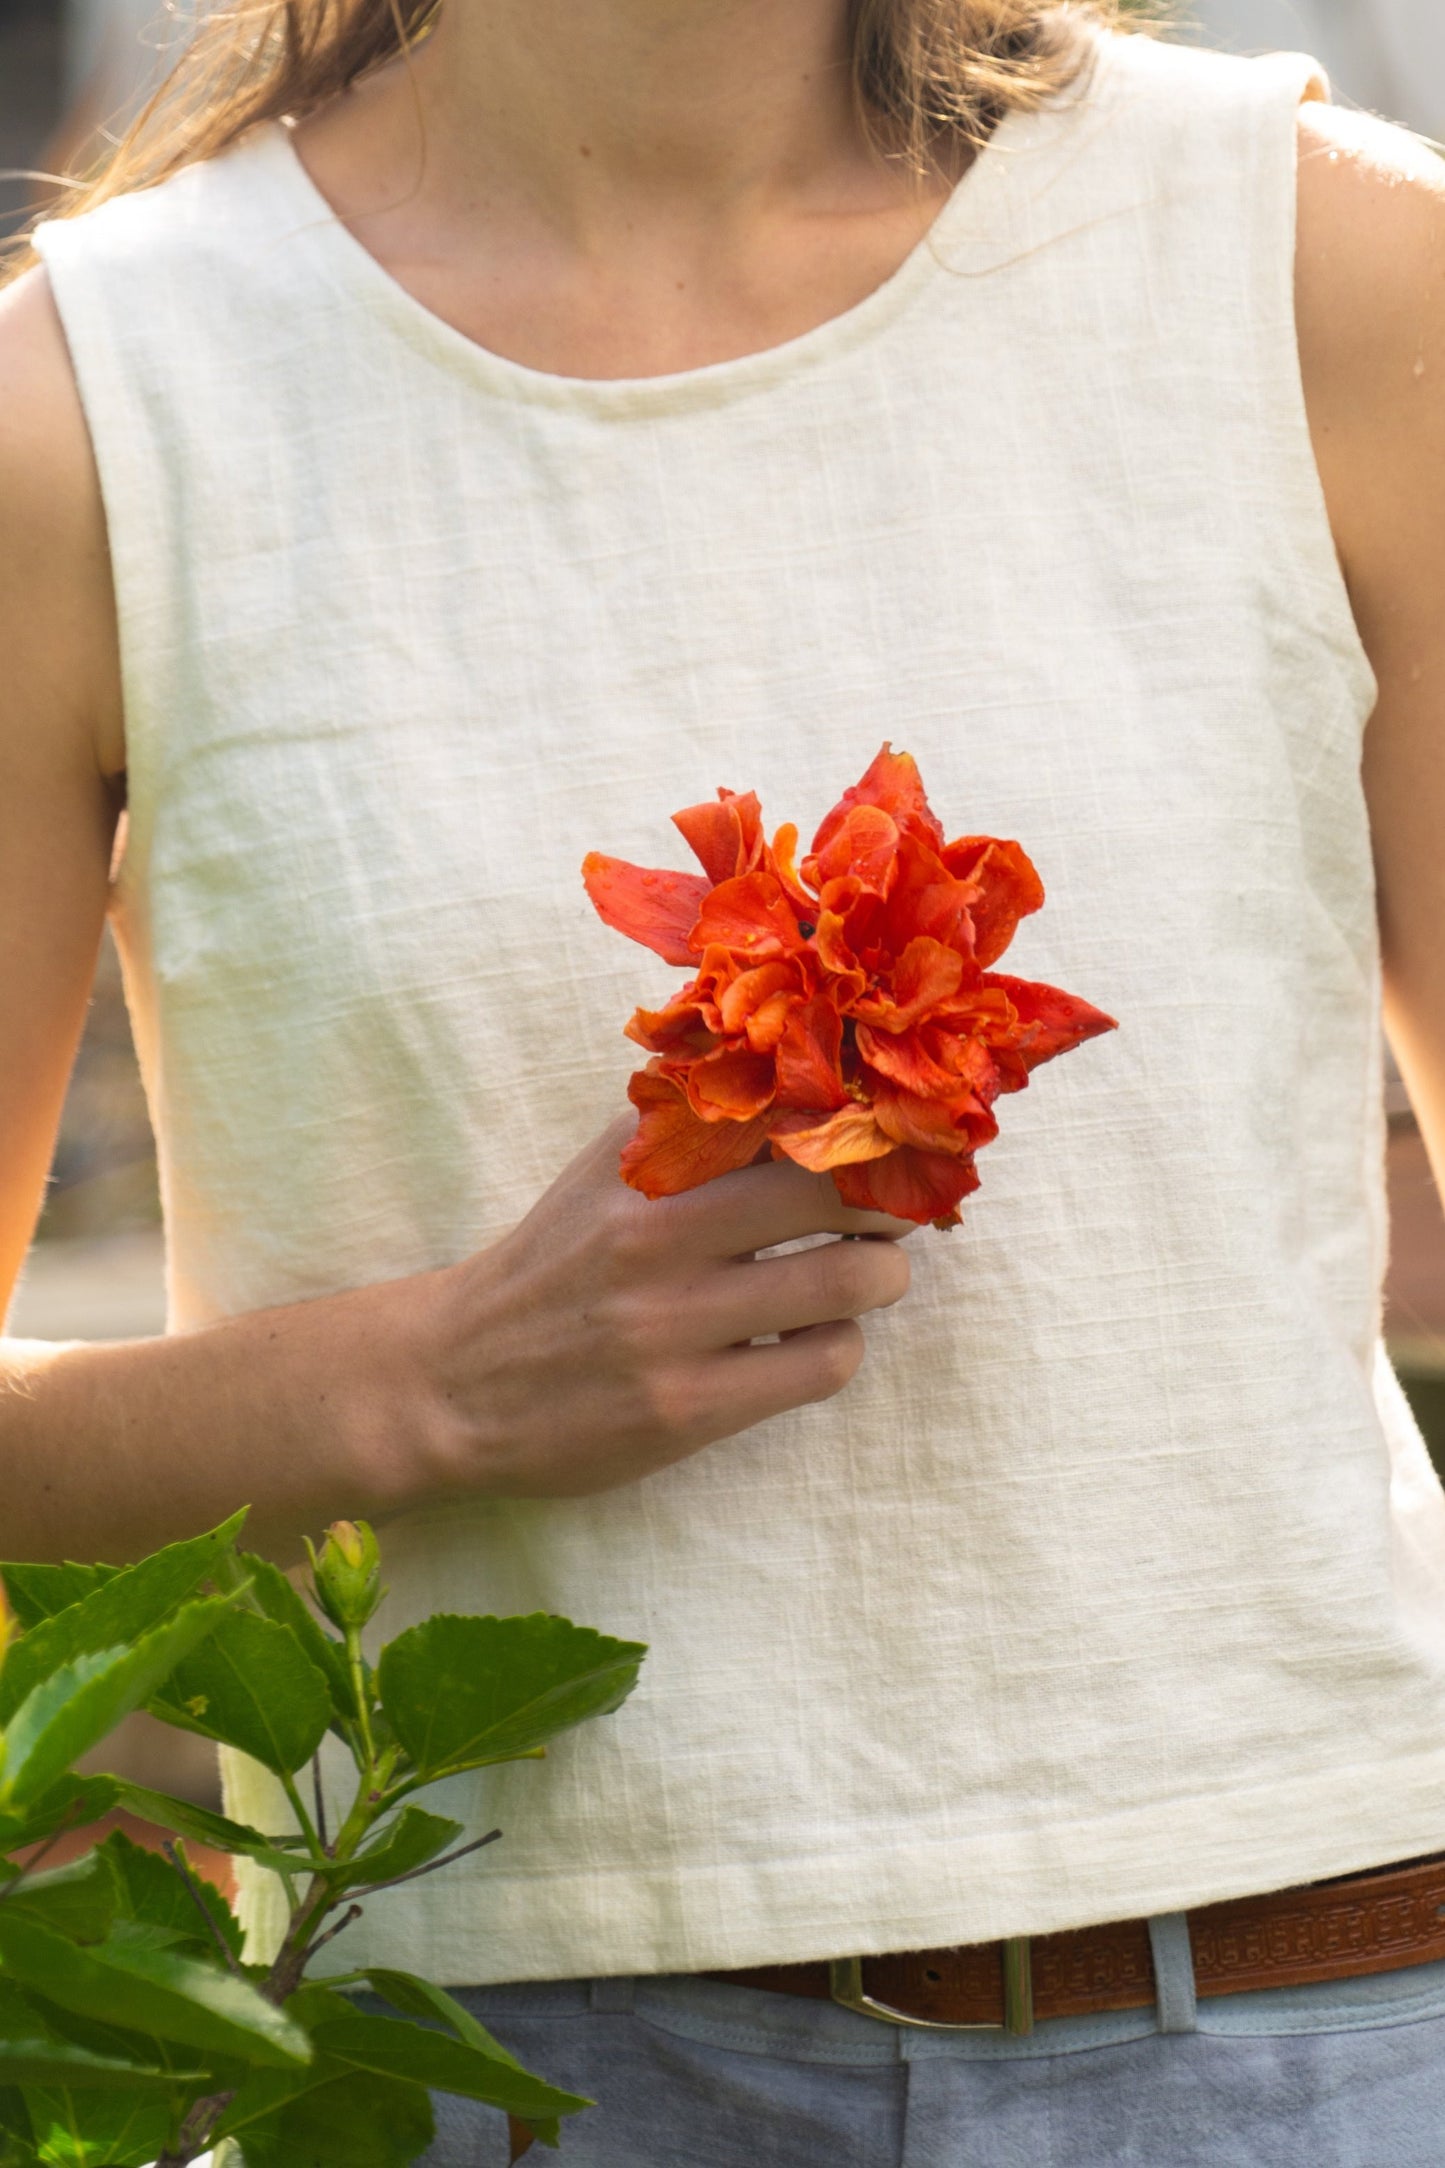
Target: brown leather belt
(1380,1921)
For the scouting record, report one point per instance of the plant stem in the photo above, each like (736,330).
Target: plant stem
(319,1798)
(195,2132)
(175,1852)
(433,1866)
(303,1820)
(363,1699)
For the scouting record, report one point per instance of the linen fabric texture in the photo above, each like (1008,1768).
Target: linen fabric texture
(1115,1583)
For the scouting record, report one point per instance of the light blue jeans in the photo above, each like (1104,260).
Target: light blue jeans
(692,2073)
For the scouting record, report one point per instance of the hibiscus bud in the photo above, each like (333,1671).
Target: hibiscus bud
(347,1573)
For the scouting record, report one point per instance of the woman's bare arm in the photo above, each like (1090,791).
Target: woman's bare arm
(598,1341)
(1371,293)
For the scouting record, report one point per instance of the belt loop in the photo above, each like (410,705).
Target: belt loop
(1174,1990)
(615,1995)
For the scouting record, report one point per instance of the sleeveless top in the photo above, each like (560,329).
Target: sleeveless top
(1115,1583)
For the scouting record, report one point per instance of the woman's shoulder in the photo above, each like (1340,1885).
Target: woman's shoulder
(57,620)
(1371,260)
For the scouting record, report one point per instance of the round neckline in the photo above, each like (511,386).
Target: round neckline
(970,203)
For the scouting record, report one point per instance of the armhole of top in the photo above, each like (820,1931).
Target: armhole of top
(1297,507)
(127,465)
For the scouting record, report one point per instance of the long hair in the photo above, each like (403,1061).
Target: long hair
(928,75)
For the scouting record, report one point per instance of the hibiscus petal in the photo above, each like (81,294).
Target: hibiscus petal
(926,975)
(958,1126)
(751,917)
(863,847)
(910,1185)
(927,899)
(906,1059)
(653,906)
(730,1085)
(660,1030)
(726,837)
(852,1133)
(1054,1022)
(1008,886)
(893,783)
(672,1150)
(809,1057)
(747,991)
(780,860)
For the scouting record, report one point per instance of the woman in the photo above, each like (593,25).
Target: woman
(584,409)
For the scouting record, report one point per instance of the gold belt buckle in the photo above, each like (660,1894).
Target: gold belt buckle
(845,1984)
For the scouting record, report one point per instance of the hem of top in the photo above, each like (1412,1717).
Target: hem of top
(1040,139)
(494,1930)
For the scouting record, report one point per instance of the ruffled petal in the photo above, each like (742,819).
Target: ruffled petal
(808,1058)
(672,1150)
(780,860)
(750,992)
(1008,888)
(650,905)
(927,899)
(751,917)
(958,1126)
(731,1085)
(681,1023)
(863,847)
(924,977)
(852,1133)
(907,1058)
(892,783)
(910,1185)
(726,838)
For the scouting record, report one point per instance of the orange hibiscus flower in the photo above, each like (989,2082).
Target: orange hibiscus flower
(841,1013)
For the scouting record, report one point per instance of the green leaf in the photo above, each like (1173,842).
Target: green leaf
(254,1687)
(38,1592)
(188,1820)
(97,2130)
(352,2120)
(396,2048)
(409,1842)
(77,1900)
(156,1991)
(77,1705)
(17,2143)
(33,2053)
(151,1890)
(120,1609)
(416,1997)
(462,1692)
(42,2061)
(282,1602)
(422,1999)
(70,1804)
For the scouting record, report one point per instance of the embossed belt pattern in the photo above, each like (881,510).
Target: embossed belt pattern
(1381,1921)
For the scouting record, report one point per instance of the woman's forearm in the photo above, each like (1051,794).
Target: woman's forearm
(306,1413)
(603,1338)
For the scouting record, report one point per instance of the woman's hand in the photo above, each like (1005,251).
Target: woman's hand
(609,1334)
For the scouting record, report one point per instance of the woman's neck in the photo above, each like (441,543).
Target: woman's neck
(600,110)
(622,187)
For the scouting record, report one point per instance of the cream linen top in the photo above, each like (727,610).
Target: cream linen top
(1115,1583)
